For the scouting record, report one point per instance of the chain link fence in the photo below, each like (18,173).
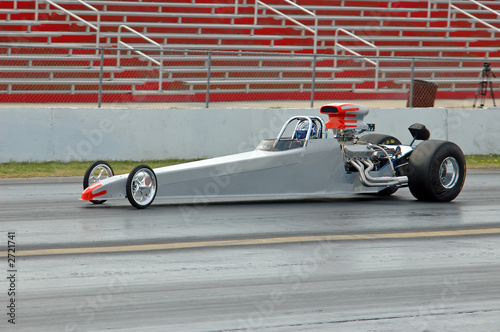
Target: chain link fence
(148,77)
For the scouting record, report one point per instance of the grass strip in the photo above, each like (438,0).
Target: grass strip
(483,161)
(73,168)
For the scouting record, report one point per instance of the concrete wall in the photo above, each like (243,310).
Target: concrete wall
(46,134)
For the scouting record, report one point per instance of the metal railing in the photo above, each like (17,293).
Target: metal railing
(14,4)
(375,63)
(485,7)
(36,9)
(451,6)
(159,63)
(229,76)
(314,31)
(236,3)
(97,28)
(429,6)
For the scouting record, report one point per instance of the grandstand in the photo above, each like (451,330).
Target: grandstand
(175,50)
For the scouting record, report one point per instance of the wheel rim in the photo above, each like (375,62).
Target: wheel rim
(99,173)
(449,172)
(143,187)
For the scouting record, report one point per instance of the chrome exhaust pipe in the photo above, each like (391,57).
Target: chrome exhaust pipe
(369,181)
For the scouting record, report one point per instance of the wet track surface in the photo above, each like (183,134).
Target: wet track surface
(356,263)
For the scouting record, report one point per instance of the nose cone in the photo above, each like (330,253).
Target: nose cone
(89,195)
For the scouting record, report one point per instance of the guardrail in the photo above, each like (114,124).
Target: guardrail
(159,63)
(97,28)
(451,6)
(14,4)
(314,31)
(212,76)
(375,63)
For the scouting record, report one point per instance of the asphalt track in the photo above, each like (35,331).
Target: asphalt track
(356,263)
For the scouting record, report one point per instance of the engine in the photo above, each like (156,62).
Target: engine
(346,122)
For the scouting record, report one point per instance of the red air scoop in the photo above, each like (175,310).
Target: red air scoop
(345,116)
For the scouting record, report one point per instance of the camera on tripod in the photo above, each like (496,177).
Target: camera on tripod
(487,70)
(484,84)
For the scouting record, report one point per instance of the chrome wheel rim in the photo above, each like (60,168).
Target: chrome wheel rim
(99,173)
(449,172)
(143,187)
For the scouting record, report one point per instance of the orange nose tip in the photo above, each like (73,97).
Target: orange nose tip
(88,194)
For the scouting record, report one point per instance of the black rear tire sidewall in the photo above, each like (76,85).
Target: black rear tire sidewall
(424,167)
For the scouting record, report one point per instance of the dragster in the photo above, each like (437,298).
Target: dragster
(308,159)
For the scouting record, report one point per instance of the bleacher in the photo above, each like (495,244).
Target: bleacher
(46,51)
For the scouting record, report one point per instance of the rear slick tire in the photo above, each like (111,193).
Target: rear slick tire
(436,171)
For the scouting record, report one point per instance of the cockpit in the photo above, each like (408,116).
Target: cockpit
(296,133)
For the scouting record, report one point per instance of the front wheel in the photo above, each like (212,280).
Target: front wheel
(381,139)
(96,172)
(141,186)
(436,171)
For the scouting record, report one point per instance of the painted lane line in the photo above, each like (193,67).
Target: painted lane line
(261,241)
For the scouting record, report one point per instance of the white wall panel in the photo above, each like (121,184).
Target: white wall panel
(46,134)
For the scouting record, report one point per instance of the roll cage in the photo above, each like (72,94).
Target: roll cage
(318,122)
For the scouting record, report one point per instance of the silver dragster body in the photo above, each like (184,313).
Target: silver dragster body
(330,160)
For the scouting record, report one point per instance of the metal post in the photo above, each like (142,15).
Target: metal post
(207,98)
(255,12)
(410,104)
(160,87)
(36,10)
(101,74)
(313,86)
(449,14)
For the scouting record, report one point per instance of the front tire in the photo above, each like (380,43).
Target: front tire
(436,171)
(381,139)
(141,186)
(96,172)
